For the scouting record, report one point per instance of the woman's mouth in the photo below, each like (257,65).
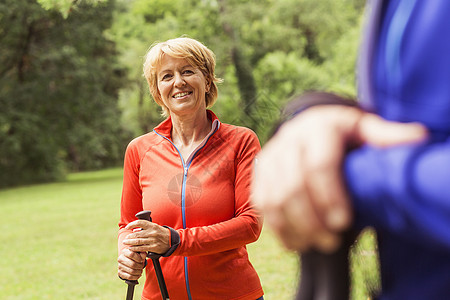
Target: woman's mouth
(180,95)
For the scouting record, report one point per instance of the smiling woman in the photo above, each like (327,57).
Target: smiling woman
(193,172)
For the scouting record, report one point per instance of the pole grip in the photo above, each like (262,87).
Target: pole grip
(144,215)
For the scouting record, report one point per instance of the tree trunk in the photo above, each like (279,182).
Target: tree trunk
(243,69)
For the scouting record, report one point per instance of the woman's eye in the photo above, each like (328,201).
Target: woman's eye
(188,72)
(166,77)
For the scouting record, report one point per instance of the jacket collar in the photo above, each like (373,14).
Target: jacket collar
(165,127)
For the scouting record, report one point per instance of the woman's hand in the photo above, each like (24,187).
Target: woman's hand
(152,238)
(131,264)
(298,180)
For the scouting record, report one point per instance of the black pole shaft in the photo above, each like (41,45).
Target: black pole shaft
(130,289)
(326,276)
(160,277)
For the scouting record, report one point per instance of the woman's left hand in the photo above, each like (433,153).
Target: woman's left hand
(152,238)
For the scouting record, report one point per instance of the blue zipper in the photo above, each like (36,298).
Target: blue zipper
(183,199)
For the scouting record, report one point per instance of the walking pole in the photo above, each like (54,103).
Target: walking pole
(146,215)
(326,276)
(130,289)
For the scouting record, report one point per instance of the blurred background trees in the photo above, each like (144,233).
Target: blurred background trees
(72,92)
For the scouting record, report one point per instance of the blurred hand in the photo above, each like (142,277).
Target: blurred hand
(298,180)
(152,238)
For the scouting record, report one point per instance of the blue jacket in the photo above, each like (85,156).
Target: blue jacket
(404,192)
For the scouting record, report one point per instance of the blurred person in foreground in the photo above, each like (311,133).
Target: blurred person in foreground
(193,172)
(313,184)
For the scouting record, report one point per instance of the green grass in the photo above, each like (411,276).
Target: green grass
(59,242)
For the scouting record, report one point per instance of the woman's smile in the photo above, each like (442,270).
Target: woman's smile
(181,95)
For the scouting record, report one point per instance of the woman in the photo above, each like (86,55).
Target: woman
(193,173)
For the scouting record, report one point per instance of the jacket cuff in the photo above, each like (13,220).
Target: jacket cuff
(174,241)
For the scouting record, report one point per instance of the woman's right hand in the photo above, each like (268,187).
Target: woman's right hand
(131,264)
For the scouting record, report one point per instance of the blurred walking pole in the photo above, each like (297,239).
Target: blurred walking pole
(326,276)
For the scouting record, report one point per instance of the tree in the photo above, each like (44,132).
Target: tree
(58,91)
(65,7)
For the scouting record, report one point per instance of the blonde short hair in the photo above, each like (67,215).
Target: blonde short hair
(197,54)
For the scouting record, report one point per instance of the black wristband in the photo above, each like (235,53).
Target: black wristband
(174,241)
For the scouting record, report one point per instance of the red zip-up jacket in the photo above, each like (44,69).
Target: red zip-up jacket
(204,200)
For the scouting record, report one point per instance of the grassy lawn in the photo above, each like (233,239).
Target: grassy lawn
(59,242)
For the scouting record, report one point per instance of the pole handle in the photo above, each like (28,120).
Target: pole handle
(144,215)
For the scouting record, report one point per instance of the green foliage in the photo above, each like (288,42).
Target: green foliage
(154,10)
(65,7)
(58,92)
(341,64)
(283,75)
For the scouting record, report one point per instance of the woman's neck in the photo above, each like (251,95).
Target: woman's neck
(189,131)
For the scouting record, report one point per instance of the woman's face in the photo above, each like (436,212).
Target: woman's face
(182,87)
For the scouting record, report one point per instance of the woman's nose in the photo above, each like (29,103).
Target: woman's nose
(179,81)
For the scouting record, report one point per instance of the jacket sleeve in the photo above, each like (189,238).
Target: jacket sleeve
(244,228)
(131,201)
(403,190)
